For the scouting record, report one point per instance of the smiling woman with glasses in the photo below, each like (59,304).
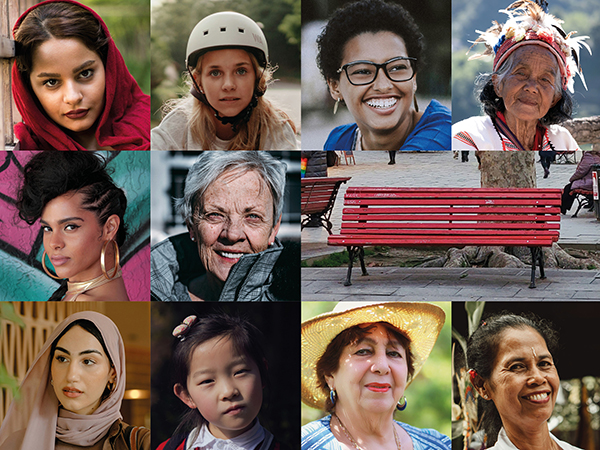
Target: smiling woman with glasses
(378,47)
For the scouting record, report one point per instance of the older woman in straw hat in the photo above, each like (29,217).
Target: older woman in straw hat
(356,364)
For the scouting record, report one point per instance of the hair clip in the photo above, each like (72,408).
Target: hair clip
(472,374)
(180,331)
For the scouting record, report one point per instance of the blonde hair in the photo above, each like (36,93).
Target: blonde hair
(265,119)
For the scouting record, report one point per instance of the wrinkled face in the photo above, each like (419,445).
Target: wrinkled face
(524,382)
(224,386)
(68,79)
(80,371)
(73,238)
(235,218)
(383,105)
(372,373)
(528,90)
(227,79)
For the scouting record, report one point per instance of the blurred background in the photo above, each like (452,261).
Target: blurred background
(172,22)
(582,16)
(432,17)
(428,395)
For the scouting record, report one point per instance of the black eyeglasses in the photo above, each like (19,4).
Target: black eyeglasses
(360,73)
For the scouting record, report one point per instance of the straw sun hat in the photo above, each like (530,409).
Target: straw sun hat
(420,322)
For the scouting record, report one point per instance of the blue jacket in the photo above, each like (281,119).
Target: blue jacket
(432,132)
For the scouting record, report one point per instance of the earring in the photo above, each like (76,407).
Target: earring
(193,238)
(335,107)
(416,104)
(102,259)
(52,382)
(402,404)
(332,396)
(46,269)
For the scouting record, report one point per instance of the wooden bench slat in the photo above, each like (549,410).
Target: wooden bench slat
(458,217)
(452,211)
(451,226)
(456,241)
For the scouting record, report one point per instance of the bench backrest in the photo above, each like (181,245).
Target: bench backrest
(318,194)
(369,210)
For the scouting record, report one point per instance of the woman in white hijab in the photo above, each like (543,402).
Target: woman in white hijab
(71,397)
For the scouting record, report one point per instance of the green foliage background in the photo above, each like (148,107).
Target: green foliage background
(470,15)
(429,395)
(129,25)
(172,23)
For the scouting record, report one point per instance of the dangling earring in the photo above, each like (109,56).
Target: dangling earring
(46,269)
(402,403)
(102,258)
(332,396)
(335,107)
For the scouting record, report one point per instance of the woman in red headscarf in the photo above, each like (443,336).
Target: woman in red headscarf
(71,85)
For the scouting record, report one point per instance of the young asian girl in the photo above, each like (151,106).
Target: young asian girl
(71,86)
(228,63)
(219,370)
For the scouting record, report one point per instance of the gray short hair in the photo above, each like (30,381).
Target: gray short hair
(210,165)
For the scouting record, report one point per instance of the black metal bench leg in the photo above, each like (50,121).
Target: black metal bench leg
(533,262)
(541,263)
(361,256)
(351,254)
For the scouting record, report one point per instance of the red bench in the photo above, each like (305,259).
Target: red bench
(449,217)
(317,199)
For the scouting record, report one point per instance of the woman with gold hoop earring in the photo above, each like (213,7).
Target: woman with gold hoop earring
(81,212)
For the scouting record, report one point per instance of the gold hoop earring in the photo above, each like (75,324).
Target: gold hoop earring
(102,259)
(46,269)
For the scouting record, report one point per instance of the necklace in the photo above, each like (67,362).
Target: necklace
(356,446)
(79,287)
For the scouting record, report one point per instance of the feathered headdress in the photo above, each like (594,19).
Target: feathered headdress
(529,24)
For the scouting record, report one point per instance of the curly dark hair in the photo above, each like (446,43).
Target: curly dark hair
(51,174)
(482,349)
(366,16)
(329,362)
(491,104)
(60,20)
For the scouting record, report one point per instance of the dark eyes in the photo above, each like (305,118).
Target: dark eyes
(68,227)
(390,353)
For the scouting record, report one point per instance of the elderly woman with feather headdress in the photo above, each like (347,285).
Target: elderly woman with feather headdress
(527,94)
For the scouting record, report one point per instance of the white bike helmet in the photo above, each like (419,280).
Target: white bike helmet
(226,30)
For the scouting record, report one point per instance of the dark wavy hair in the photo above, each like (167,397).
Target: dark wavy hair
(366,16)
(329,362)
(49,175)
(491,104)
(60,20)
(482,350)
(245,338)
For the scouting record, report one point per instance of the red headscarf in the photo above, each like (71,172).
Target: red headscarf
(123,125)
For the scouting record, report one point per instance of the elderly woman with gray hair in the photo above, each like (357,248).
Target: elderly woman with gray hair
(526,96)
(232,207)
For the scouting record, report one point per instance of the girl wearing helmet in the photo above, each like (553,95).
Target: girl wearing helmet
(228,63)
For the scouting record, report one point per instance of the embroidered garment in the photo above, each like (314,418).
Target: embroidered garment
(124,124)
(317,435)
(479,133)
(432,132)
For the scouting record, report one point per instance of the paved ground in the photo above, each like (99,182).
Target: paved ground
(440,169)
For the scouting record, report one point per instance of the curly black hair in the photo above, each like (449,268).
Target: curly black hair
(366,16)
(482,349)
(51,174)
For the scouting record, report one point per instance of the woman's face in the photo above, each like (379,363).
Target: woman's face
(524,382)
(236,218)
(372,373)
(383,105)
(73,238)
(68,80)
(80,371)
(227,78)
(529,89)
(224,386)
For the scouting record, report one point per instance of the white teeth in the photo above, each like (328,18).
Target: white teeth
(538,397)
(382,102)
(231,255)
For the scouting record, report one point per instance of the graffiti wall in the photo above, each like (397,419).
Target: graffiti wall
(21,249)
